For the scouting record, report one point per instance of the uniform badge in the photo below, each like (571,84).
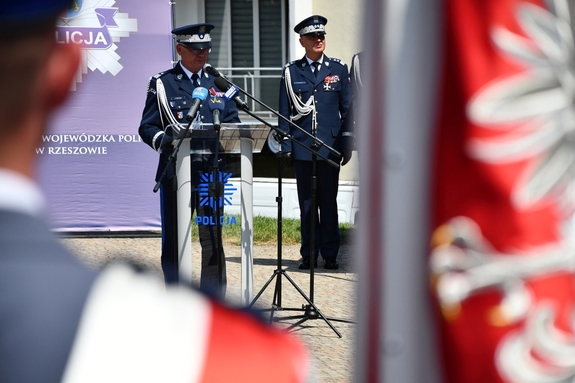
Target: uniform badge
(179,77)
(330,80)
(215,93)
(180,115)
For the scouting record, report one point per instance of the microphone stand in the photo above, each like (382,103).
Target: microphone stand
(173,155)
(317,142)
(310,310)
(217,185)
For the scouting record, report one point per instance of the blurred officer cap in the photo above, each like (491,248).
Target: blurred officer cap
(195,36)
(313,25)
(26,17)
(29,11)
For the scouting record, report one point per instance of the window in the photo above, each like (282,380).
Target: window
(249,35)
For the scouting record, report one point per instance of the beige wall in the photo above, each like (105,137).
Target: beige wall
(344,30)
(343,26)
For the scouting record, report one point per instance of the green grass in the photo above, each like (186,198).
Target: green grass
(265,231)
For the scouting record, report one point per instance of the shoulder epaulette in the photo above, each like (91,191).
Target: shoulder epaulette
(155,77)
(158,75)
(338,61)
(290,63)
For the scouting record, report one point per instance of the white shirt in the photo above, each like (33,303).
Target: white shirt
(320,61)
(190,73)
(20,194)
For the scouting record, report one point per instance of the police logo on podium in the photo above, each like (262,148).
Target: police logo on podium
(206,190)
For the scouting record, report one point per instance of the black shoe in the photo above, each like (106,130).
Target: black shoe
(331,264)
(305,265)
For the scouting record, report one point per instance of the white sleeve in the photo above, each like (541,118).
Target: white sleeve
(133,329)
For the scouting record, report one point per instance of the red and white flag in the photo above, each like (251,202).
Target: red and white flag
(503,246)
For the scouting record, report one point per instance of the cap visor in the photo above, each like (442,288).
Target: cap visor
(205,45)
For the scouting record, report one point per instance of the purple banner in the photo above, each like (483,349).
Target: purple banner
(96,173)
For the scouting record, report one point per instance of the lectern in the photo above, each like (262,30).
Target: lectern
(243,138)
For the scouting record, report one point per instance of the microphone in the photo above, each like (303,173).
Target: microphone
(216,105)
(198,96)
(230,93)
(211,70)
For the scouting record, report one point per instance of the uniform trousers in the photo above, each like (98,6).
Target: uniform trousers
(208,237)
(327,240)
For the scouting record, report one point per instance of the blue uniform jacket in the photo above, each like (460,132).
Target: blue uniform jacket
(332,95)
(179,91)
(356,83)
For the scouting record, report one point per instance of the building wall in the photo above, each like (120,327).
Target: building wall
(343,27)
(344,24)
(344,30)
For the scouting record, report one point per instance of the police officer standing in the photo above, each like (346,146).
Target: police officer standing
(315,95)
(168,101)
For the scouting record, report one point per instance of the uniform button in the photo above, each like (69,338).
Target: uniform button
(202,117)
(315,90)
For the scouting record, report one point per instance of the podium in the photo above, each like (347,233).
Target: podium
(243,138)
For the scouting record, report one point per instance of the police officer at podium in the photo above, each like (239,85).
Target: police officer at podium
(168,101)
(315,95)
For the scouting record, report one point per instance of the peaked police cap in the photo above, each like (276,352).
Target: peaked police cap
(195,35)
(312,25)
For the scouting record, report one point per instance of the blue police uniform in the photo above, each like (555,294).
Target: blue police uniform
(332,100)
(356,84)
(332,97)
(178,89)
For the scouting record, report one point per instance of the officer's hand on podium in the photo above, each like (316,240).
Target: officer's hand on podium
(287,159)
(345,157)
(166,142)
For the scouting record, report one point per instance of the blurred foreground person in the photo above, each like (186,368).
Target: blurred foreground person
(61,321)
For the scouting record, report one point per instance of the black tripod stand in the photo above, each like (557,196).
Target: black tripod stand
(310,310)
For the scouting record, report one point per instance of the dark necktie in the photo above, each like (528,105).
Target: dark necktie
(195,78)
(315,68)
